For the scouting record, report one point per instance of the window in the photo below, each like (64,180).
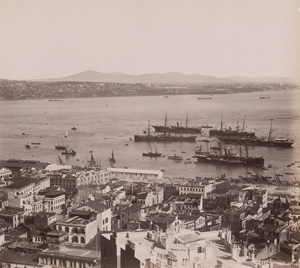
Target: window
(74,239)
(199,249)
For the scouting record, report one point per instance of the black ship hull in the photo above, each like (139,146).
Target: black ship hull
(230,133)
(258,142)
(178,129)
(164,138)
(231,160)
(152,154)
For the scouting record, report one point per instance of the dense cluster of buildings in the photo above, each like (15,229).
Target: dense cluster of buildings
(82,217)
(16,90)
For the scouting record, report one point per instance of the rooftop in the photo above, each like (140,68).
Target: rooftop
(15,163)
(18,257)
(162,218)
(76,252)
(56,233)
(141,195)
(137,240)
(54,193)
(97,205)
(19,183)
(189,238)
(132,208)
(6,212)
(138,171)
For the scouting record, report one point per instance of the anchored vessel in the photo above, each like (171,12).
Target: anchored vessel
(68,151)
(175,157)
(230,132)
(230,158)
(152,154)
(166,137)
(267,142)
(205,98)
(264,97)
(60,147)
(178,128)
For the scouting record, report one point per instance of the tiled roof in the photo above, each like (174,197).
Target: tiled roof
(163,218)
(17,257)
(96,205)
(54,193)
(184,217)
(14,163)
(132,208)
(281,257)
(78,212)
(19,184)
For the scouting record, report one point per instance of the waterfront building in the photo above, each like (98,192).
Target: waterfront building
(136,174)
(203,189)
(16,164)
(71,180)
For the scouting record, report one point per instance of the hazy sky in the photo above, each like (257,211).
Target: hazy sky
(55,38)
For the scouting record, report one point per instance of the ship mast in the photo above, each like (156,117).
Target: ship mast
(238,125)
(247,155)
(166,121)
(244,123)
(186,120)
(222,123)
(271,130)
(148,132)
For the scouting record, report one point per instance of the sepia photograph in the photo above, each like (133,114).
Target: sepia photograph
(150,133)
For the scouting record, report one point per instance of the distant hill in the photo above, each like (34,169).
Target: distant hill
(155,78)
(166,78)
(265,79)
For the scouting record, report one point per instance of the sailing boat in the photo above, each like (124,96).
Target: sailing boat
(69,151)
(66,134)
(92,162)
(112,158)
(60,147)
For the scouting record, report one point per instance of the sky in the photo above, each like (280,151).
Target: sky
(224,38)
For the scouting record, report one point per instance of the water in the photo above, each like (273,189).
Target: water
(106,124)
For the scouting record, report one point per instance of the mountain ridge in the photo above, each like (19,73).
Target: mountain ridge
(163,78)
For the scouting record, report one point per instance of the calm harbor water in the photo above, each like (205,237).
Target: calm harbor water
(106,124)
